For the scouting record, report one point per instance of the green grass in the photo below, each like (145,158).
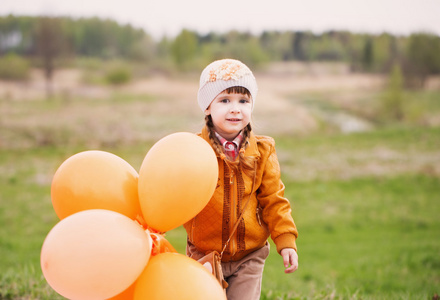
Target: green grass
(371,237)
(378,153)
(361,237)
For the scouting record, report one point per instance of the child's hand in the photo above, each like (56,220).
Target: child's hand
(290,257)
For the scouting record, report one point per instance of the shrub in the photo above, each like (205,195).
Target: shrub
(392,101)
(14,67)
(118,74)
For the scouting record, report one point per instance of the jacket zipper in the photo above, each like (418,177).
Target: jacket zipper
(233,242)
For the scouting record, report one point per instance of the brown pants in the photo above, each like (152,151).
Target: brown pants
(244,276)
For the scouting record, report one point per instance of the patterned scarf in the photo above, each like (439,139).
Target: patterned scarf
(231,149)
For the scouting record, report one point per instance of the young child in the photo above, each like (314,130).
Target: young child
(248,204)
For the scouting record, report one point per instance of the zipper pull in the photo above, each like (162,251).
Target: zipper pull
(231,177)
(258,215)
(193,226)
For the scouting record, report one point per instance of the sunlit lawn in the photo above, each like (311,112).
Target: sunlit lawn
(370,237)
(366,204)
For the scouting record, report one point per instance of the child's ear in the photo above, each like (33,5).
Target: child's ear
(208,111)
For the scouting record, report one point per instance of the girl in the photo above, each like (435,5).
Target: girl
(248,204)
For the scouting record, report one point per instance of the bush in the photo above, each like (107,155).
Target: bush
(392,102)
(14,67)
(118,74)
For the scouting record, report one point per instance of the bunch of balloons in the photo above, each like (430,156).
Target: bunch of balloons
(109,242)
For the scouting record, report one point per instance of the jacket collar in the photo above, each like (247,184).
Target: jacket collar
(251,150)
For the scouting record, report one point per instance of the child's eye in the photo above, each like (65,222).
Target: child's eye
(245,101)
(224,100)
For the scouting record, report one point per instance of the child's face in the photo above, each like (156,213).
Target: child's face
(230,113)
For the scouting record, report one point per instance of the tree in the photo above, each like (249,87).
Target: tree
(299,46)
(368,55)
(423,57)
(50,45)
(277,45)
(184,49)
(16,34)
(393,98)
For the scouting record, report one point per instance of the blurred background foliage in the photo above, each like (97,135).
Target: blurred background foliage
(51,42)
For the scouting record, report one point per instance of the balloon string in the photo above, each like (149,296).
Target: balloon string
(155,247)
(160,244)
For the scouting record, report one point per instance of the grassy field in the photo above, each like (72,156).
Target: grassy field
(366,203)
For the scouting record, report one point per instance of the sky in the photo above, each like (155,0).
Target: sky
(167,18)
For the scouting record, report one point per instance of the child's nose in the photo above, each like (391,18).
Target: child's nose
(235,108)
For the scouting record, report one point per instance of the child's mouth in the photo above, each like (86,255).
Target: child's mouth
(234,120)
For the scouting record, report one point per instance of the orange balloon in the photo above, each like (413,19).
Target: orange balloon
(176,180)
(95,179)
(94,254)
(175,276)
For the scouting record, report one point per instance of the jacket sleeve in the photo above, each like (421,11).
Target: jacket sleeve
(277,213)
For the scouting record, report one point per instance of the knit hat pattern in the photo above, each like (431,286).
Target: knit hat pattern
(221,75)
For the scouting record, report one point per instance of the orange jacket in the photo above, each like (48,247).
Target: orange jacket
(268,212)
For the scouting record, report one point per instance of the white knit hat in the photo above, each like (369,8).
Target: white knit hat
(223,74)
